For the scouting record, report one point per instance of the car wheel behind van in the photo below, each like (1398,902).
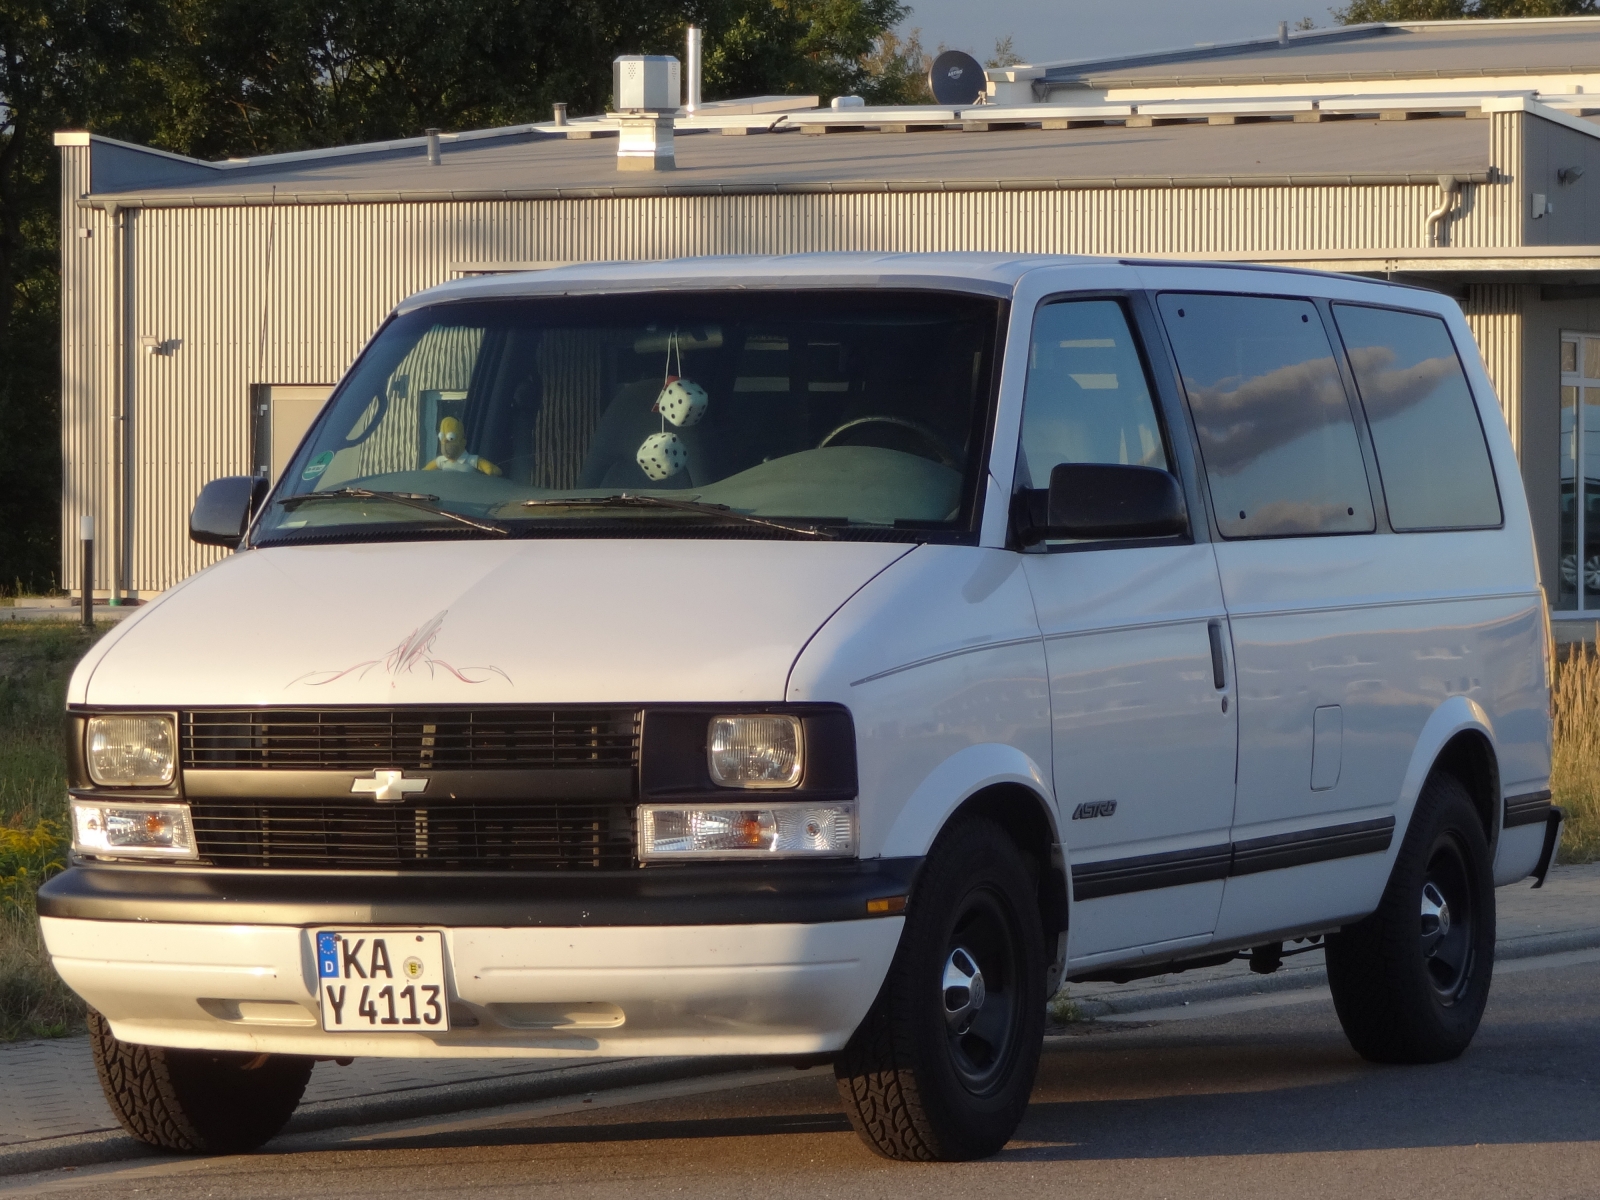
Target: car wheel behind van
(196,1101)
(941,1068)
(1410,982)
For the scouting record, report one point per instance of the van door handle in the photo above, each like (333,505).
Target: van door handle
(1219,670)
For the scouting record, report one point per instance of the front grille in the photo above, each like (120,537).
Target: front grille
(405,738)
(456,836)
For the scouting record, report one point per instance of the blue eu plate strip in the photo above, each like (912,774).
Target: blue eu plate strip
(328,955)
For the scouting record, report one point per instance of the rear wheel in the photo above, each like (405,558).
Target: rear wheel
(196,1101)
(1410,982)
(942,1065)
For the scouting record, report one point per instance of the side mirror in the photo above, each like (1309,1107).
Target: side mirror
(1103,500)
(222,511)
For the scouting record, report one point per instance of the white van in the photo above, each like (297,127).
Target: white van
(824,658)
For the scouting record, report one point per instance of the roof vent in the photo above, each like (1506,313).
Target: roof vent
(644,83)
(1283,33)
(646,88)
(693,101)
(849,102)
(433,147)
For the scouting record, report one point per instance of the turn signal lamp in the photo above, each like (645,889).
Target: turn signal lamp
(791,830)
(132,830)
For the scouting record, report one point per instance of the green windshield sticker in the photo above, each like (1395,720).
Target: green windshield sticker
(317,465)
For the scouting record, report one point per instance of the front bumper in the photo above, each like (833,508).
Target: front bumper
(619,990)
(776,961)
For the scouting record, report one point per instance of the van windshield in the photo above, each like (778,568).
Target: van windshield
(815,414)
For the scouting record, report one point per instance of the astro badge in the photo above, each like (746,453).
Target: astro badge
(683,403)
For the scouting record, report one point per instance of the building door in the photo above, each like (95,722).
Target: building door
(1143,734)
(283,413)
(1578,580)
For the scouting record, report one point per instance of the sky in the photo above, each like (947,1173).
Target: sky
(1042,31)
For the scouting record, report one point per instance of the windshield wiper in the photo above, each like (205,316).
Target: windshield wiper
(624,500)
(417,500)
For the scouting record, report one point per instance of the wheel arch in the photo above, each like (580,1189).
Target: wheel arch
(1457,739)
(1026,818)
(1469,756)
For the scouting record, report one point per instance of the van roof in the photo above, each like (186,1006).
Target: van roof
(983,273)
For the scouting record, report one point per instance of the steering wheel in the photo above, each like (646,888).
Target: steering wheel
(928,436)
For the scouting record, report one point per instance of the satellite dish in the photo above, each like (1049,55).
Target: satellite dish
(956,78)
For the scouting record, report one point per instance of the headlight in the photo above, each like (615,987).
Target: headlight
(130,750)
(132,830)
(755,752)
(783,830)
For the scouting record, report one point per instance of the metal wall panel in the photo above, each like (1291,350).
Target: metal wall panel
(285,295)
(1494,313)
(89,428)
(1548,149)
(1505,226)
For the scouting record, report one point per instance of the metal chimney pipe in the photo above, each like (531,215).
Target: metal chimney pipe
(560,110)
(694,71)
(433,146)
(1283,33)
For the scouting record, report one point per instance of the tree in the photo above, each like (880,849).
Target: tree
(61,64)
(1359,12)
(215,78)
(1005,54)
(897,71)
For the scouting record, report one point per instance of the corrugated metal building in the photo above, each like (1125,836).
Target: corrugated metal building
(209,307)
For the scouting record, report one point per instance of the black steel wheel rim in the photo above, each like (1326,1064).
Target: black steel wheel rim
(1448,920)
(980,991)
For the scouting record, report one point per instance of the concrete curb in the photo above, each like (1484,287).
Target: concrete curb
(112,1145)
(74,1150)
(1288,979)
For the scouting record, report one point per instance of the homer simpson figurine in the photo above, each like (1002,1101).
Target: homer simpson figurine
(452,452)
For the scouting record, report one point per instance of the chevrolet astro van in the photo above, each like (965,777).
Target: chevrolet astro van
(823,658)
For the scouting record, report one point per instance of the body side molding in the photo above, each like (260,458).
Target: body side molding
(1528,809)
(1118,876)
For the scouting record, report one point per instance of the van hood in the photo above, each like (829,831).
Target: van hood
(592,621)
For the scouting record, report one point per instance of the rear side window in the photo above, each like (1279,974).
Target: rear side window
(1276,431)
(1088,400)
(1432,457)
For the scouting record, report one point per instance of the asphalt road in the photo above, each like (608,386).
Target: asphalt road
(1233,1102)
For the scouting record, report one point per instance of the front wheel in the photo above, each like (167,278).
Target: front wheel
(196,1101)
(941,1068)
(1410,982)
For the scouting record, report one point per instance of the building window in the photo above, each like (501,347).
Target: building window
(1578,581)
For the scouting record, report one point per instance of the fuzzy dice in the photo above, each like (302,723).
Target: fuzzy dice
(683,402)
(662,455)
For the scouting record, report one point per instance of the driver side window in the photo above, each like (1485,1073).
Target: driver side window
(1087,399)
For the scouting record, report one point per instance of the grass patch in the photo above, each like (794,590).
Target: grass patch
(36,659)
(1575,761)
(1064,1010)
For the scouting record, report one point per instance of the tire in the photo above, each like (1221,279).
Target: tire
(196,1101)
(929,1076)
(1409,982)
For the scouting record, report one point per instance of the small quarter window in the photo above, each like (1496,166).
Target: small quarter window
(1276,431)
(1088,400)
(1432,457)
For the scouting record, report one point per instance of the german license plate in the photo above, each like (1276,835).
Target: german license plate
(382,981)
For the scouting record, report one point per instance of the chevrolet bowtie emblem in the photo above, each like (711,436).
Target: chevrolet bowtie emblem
(388,785)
